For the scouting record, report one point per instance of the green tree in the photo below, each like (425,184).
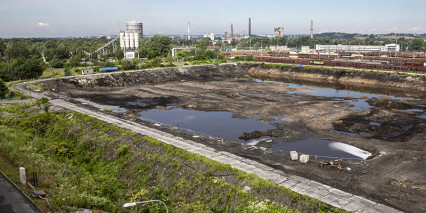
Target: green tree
(157,46)
(75,60)
(29,68)
(56,63)
(416,44)
(4,74)
(2,47)
(3,89)
(17,50)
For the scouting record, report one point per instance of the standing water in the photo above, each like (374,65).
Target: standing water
(216,124)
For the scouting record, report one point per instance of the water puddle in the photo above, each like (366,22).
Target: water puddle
(325,92)
(343,132)
(323,149)
(375,123)
(358,104)
(216,124)
(357,99)
(102,107)
(223,125)
(421,116)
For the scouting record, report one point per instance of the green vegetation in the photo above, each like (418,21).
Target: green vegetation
(255,43)
(23,58)
(3,89)
(9,93)
(44,104)
(82,162)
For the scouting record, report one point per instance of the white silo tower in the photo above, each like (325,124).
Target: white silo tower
(127,40)
(135,27)
(122,42)
(131,40)
(136,37)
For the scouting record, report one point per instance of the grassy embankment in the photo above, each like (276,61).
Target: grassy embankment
(82,162)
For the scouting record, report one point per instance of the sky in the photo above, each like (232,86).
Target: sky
(63,18)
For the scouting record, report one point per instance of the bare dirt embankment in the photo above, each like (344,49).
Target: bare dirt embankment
(394,175)
(404,85)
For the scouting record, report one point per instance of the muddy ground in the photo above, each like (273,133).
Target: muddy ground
(394,174)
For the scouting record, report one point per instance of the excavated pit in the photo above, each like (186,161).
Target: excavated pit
(340,111)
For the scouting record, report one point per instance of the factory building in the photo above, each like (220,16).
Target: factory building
(129,39)
(209,35)
(279,32)
(358,48)
(278,48)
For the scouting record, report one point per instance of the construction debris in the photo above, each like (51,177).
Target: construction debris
(331,164)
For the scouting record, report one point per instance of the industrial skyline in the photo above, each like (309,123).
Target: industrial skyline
(46,18)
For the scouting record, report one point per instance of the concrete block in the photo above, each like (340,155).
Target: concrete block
(294,155)
(22,175)
(304,158)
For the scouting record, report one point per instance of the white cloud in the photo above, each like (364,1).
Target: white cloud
(41,24)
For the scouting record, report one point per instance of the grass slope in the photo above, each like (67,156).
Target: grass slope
(82,162)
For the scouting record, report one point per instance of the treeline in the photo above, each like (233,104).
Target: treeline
(255,43)
(28,58)
(23,58)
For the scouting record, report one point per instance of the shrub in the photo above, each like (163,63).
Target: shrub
(43,102)
(249,58)
(122,150)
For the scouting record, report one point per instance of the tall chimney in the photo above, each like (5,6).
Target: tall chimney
(249,27)
(312,29)
(232,30)
(189,35)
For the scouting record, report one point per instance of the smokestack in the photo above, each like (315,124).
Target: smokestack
(312,29)
(189,35)
(232,30)
(249,27)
